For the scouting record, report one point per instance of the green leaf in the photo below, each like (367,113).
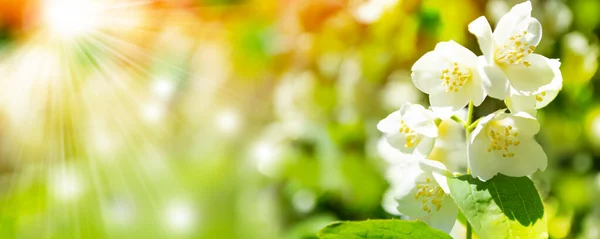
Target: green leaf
(381,229)
(502,207)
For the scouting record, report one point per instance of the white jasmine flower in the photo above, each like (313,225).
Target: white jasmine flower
(509,62)
(503,143)
(411,129)
(422,193)
(449,75)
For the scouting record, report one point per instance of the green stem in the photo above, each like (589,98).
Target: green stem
(458,120)
(473,125)
(468,130)
(470,113)
(469,233)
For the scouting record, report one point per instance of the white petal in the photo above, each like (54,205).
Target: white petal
(521,103)
(405,108)
(480,27)
(510,21)
(483,164)
(442,180)
(493,79)
(429,62)
(483,121)
(549,96)
(426,72)
(450,101)
(443,113)
(445,218)
(398,141)
(529,157)
(391,123)
(529,79)
(421,120)
(455,52)
(551,90)
(534,31)
(526,125)
(425,147)
(407,204)
(388,202)
(390,154)
(403,175)
(478,91)
(429,165)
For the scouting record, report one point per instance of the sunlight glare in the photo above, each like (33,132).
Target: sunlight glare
(71,18)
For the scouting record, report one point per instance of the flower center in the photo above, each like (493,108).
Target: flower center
(412,138)
(501,137)
(455,77)
(430,194)
(514,50)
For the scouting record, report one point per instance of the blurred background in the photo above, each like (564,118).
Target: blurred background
(250,118)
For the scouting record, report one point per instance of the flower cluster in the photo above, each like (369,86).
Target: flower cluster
(454,78)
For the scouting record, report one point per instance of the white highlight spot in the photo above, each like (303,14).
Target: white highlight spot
(304,201)
(65,184)
(228,121)
(71,18)
(267,156)
(180,217)
(163,87)
(153,113)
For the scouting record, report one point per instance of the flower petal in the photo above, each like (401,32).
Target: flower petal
(483,164)
(404,174)
(429,165)
(450,101)
(527,80)
(391,123)
(390,154)
(443,113)
(526,125)
(425,147)
(455,52)
(547,97)
(407,203)
(529,157)
(445,218)
(480,27)
(429,62)
(550,91)
(521,103)
(421,120)
(398,141)
(493,79)
(388,202)
(534,31)
(442,180)
(426,72)
(409,206)
(478,90)
(508,24)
